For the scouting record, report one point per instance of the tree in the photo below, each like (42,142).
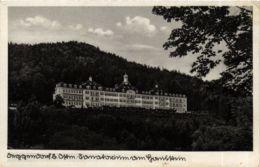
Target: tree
(219,138)
(29,123)
(58,101)
(203,31)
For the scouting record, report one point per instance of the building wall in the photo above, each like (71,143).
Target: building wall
(83,97)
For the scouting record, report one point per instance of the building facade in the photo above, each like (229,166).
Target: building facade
(91,94)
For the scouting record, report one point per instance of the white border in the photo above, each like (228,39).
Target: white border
(224,159)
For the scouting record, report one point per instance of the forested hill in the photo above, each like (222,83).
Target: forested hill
(35,69)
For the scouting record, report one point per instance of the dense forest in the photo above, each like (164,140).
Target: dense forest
(218,115)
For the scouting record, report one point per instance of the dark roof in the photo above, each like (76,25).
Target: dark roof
(91,84)
(123,87)
(157,91)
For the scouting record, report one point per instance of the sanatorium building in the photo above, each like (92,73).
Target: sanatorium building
(91,94)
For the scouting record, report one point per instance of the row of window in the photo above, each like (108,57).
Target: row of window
(72,103)
(72,97)
(147,102)
(92,98)
(96,93)
(151,98)
(112,100)
(134,101)
(176,105)
(177,100)
(111,103)
(111,94)
(72,91)
(93,104)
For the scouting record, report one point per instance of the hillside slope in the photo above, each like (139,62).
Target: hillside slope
(35,69)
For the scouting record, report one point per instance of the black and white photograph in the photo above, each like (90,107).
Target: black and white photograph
(140,78)
(127,83)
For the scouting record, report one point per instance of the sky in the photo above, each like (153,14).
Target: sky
(133,33)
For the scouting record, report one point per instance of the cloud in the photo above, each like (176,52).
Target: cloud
(101,32)
(138,47)
(75,27)
(39,21)
(119,24)
(142,46)
(43,22)
(138,24)
(165,29)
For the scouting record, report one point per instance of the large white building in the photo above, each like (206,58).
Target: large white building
(91,94)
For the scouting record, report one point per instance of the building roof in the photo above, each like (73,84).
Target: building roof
(123,87)
(156,90)
(91,84)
